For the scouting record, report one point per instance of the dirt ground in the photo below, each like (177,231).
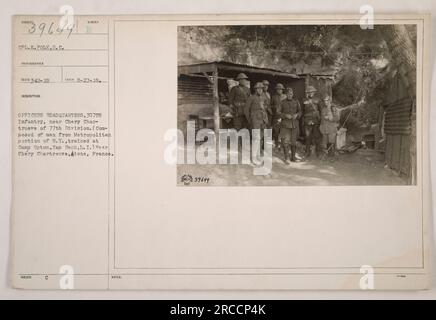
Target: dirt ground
(363,167)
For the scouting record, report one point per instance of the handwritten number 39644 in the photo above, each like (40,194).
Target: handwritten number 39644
(48,29)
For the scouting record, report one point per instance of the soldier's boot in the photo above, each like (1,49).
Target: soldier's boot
(318,151)
(308,150)
(286,153)
(328,151)
(293,151)
(277,140)
(332,152)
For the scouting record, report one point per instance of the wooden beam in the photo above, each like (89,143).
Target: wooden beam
(203,76)
(199,68)
(258,71)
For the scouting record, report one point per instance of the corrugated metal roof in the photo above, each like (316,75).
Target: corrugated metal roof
(227,64)
(236,66)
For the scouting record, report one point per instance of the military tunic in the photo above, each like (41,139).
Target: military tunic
(267,99)
(329,124)
(275,104)
(237,98)
(311,112)
(311,120)
(289,128)
(255,111)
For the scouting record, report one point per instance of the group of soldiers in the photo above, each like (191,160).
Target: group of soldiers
(282,113)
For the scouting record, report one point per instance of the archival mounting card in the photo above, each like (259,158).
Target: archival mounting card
(221,152)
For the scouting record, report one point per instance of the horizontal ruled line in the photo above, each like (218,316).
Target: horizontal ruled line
(70,66)
(221,274)
(65,34)
(62,50)
(65,82)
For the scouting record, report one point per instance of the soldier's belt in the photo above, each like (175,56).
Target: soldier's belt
(310,123)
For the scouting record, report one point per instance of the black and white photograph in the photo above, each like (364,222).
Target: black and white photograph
(332,105)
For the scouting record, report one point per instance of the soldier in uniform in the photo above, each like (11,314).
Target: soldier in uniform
(237,98)
(265,89)
(255,109)
(267,101)
(311,121)
(329,125)
(275,104)
(289,112)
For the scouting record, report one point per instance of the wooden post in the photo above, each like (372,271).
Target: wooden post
(216,103)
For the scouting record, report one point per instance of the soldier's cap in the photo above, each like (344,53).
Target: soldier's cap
(310,89)
(258,85)
(327,97)
(280,86)
(289,90)
(265,82)
(241,76)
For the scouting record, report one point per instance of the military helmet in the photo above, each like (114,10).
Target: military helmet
(258,85)
(280,86)
(265,82)
(241,76)
(310,89)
